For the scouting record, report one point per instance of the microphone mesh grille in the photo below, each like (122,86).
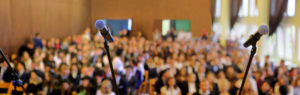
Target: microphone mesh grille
(263,29)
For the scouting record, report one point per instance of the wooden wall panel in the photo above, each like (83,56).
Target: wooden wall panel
(21,22)
(5,25)
(59,18)
(145,12)
(51,18)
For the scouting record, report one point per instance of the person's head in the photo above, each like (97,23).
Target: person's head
(182,72)
(269,72)
(25,56)
(191,78)
(65,85)
(267,57)
(48,76)
(61,54)
(215,62)
(210,77)
(128,69)
(297,82)
(230,71)
(106,87)
(223,85)
(247,86)
(64,69)
(37,35)
(283,80)
(3,63)
(221,74)
(265,87)
(85,81)
(74,60)
(282,63)
(84,61)
(30,44)
(37,52)
(165,74)
(74,67)
(181,57)
(204,85)
(171,82)
(173,29)
(33,75)
(201,68)
(20,67)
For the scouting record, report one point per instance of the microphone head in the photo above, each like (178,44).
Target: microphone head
(263,29)
(99,24)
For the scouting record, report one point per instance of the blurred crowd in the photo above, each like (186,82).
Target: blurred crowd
(197,66)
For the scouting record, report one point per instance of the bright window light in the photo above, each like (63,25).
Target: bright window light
(244,9)
(291,8)
(129,24)
(218,8)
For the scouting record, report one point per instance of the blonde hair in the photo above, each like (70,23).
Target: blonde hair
(106,83)
(295,81)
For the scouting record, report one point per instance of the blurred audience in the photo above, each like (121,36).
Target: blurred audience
(194,66)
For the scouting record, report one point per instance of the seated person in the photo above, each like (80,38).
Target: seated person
(170,88)
(204,88)
(162,80)
(65,88)
(189,87)
(224,87)
(35,83)
(121,83)
(132,80)
(265,89)
(86,88)
(105,89)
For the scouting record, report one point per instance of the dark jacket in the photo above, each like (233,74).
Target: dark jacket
(158,84)
(184,87)
(132,83)
(25,48)
(32,88)
(122,86)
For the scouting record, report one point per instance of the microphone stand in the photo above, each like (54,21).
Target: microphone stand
(111,67)
(253,51)
(16,81)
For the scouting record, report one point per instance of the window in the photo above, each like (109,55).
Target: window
(280,42)
(242,31)
(253,11)
(270,44)
(248,8)
(118,25)
(129,24)
(291,8)
(165,26)
(218,8)
(298,38)
(286,41)
(289,42)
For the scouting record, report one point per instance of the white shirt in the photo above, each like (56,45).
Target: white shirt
(178,65)
(169,91)
(118,64)
(204,93)
(192,87)
(3,69)
(101,93)
(28,64)
(57,60)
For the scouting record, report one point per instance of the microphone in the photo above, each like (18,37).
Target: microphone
(263,29)
(100,25)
